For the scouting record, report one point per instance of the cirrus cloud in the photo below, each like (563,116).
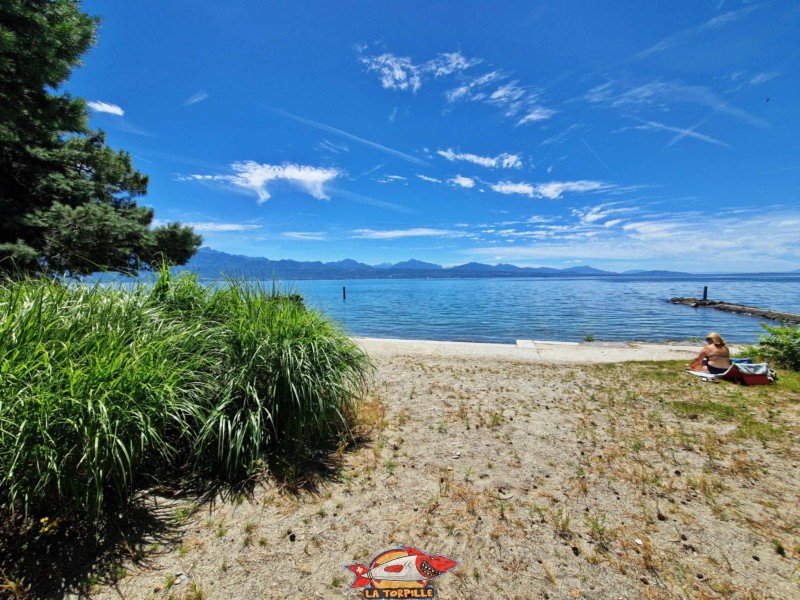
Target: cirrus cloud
(105,107)
(551,190)
(400,72)
(222,227)
(464,182)
(504,160)
(255,177)
(391,234)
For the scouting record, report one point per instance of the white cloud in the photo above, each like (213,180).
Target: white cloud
(504,160)
(598,213)
(513,98)
(196,97)
(305,235)
(507,187)
(471,89)
(742,80)
(552,190)
(396,72)
(254,177)
(464,182)
(400,73)
(373,234)
(539,113)
(510,92)
(669,240)
(448,63)
(391,179)
(105,107)
(509,161)
(222,227)
(431,179)
(760,78)
(555,189)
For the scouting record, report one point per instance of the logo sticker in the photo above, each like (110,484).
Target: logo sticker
(403,572)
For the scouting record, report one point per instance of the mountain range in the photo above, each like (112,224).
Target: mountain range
(213,264)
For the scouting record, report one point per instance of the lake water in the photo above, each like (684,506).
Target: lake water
(563,309)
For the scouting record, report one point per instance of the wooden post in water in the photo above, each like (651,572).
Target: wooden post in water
(705,292)
(344,293)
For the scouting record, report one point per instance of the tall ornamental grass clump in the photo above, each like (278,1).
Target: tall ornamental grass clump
(97,387)
(781,346)
(291,379)
(104,388)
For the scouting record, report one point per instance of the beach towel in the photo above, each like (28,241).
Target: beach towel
(744,373)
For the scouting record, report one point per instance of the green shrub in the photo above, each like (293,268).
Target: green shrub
(102,387)
(291,376)
(96,388)
(781,346)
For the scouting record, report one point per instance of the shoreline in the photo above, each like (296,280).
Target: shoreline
(541,351)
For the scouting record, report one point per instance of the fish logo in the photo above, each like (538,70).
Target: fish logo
(403,572)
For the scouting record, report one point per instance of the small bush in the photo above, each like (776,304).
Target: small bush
(291,376)
(96,388)
(781,346)
(101,388)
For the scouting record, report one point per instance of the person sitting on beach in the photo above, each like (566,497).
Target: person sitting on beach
(714,358)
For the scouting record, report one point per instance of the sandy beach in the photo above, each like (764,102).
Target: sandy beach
(534,350)
(546,470)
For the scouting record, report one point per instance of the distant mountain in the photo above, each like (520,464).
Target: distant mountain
(586,270)
(656,273)
(213,264)
(417,265)
(510,268)
(348,263)
(474,267)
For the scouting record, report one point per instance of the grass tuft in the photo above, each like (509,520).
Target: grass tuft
(103,389)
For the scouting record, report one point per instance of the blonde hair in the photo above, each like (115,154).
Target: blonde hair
(716,339)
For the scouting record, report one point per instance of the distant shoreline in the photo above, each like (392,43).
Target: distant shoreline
(545,351)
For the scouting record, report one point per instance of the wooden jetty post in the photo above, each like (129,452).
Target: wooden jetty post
(344,293)
(705,292)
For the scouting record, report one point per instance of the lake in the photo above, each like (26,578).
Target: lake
(562,309)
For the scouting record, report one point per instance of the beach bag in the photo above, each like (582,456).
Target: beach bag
(750,374)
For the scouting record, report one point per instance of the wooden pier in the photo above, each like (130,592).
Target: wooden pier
(740,309)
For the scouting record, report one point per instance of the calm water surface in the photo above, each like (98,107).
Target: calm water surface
(505,310)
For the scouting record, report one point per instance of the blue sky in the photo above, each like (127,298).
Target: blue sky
(621,135)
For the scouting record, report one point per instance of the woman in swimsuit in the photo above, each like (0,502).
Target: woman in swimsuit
(714,358)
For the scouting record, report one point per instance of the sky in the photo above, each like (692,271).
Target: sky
(622,135)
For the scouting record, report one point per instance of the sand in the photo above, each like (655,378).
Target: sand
(534,350)
(546,470)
